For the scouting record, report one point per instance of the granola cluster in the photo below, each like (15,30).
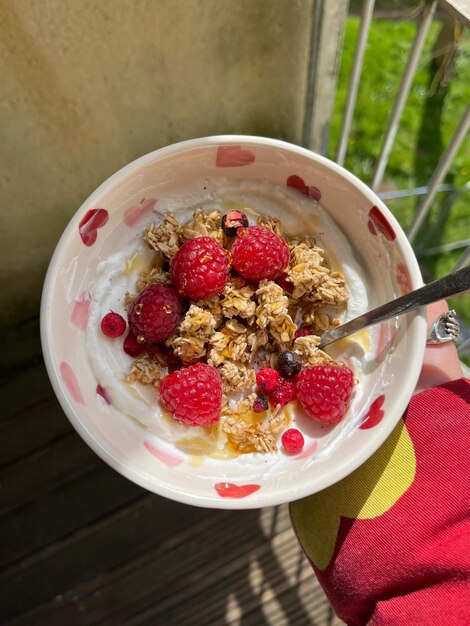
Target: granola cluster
(254,436)
(145,370)
(247,325)
(191,337)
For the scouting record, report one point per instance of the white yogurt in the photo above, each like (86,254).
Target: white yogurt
(119,273)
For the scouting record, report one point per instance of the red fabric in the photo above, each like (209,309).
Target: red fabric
(411,565)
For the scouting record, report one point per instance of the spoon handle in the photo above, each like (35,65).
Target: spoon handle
(450,285)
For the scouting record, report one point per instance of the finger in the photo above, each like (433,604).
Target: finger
(441,362)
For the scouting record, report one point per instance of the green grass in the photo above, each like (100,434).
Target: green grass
(428,122)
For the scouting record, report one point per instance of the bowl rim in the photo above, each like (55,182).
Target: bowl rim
(261,498)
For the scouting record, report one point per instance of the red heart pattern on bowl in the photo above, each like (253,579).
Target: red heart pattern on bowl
(378,223)
(71,383)
(374,415)
(233,156)
(80,311)
(296,182)
(403,278)
(231,490)
(90,223)
(135,214)
(168,459)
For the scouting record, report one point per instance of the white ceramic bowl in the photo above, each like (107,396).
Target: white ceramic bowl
(117,212)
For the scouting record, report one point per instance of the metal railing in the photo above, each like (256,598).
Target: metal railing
(424,18)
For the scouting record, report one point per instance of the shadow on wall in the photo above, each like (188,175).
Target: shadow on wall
(87,87)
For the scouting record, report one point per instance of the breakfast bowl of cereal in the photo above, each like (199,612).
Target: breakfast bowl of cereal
(182,315)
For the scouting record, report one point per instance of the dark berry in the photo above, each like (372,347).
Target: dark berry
(260,404)
(232,221)
(113,325)
(289,364)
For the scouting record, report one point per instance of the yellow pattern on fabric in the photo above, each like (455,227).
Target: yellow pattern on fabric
(368,492)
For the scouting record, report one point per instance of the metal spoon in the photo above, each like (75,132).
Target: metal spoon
(450,285)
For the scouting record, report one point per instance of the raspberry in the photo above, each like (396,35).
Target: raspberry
(303,331)
(193,395)
(131,346)
(267,379)
(113,325)
(288,363)
(232,221)
(292,440)
(325,391)
(283,281)
(259,253)
(155,313)
(285,392)
(200,268)
(260,404)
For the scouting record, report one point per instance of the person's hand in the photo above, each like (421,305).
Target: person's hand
(441,362)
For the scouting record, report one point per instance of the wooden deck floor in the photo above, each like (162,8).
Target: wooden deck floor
(82,545)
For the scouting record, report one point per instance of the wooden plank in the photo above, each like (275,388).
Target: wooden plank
(158,574)
(69,607)
(32,428)
(21,346)
(44,469)
(24,389)
(213,561)
(168,581)
(111,541)
(303,604)
(206,554)
(264,583)
(268,575)
(31,415)
(54,513)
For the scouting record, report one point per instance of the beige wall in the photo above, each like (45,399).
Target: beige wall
(88,85)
